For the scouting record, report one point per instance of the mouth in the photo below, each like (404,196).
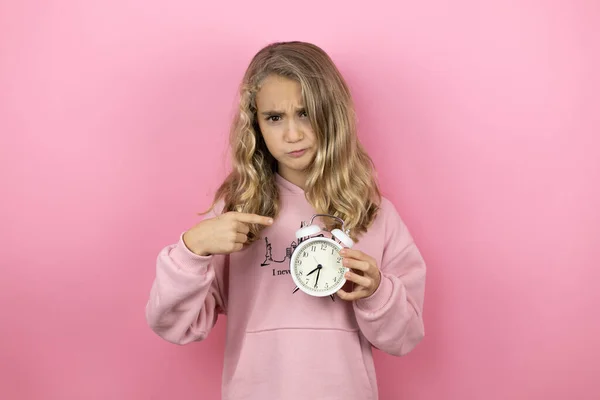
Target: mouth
(297,153)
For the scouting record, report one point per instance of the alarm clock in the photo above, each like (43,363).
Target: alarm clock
(316,264)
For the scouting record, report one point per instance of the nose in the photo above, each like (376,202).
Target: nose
(294,132)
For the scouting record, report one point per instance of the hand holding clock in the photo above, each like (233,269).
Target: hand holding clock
(364,273)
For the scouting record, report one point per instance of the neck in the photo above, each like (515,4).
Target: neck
(298,178)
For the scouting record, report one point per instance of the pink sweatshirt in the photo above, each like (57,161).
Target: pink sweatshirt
(284,345)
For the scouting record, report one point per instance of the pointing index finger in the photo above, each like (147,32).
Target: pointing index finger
(252,218)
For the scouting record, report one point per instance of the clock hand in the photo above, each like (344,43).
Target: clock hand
(317,261)
(313,270)
(318,273)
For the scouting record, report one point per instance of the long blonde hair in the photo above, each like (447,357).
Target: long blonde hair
(341,180)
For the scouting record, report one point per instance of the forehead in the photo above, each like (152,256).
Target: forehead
(279,93)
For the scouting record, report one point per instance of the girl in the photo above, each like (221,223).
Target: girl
(295,154)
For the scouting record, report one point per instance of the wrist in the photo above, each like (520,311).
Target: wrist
(198,250)
(188,261)
(379,298)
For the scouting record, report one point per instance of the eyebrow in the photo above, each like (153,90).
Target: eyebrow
(276,112)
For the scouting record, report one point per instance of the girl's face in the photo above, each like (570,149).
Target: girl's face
(285,127)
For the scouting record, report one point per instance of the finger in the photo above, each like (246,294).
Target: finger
(240,227)
(237,247)
(357,254)
(241,238)
(356,264)
(351,296)
(250,218)
(359,280)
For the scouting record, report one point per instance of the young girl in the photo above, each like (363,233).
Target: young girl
(295,154)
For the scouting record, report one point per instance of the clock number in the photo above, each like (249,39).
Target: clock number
(326,285)
(341,270)
(332,250)
(313,248)
(339,259)
(299,262)
(300,273)
(323,247)
(335,279)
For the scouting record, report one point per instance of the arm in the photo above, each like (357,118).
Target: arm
(391,318)
(190,288)
(187,294)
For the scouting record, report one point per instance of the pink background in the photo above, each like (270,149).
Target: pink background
(483,121)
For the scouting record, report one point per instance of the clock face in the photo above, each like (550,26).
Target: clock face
(316,267)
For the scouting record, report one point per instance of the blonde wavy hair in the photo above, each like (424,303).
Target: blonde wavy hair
(341,180)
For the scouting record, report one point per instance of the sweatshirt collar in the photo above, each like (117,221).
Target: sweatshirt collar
(287,186)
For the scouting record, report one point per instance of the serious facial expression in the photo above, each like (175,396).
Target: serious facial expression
(285,127)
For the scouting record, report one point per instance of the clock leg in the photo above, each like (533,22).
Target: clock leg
(297,288)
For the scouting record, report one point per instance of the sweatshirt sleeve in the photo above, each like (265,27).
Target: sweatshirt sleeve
(187,295)
(391,318)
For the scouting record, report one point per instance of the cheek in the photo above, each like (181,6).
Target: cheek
(271,133)
(270,139)
(308,130)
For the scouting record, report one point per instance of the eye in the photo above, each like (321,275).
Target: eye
(274,118)
(303,114)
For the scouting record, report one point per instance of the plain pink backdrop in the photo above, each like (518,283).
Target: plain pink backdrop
(483,121)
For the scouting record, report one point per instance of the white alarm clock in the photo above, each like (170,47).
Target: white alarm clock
(316,264)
